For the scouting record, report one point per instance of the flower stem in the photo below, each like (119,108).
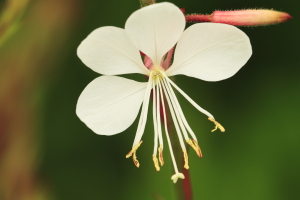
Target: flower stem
(187,185)
(146,2)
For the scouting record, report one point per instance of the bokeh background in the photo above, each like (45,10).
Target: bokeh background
(47,153)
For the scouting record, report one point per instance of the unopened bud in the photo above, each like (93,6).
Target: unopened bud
(242,17)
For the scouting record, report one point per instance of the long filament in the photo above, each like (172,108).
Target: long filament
(174,118)
(158,114)
(166,129)
(181,114)
(188,98)
(175,106)
(143,116)
(154,119)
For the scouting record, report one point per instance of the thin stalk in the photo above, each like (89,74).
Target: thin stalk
(146,2)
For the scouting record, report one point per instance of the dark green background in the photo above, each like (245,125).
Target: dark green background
(256,158)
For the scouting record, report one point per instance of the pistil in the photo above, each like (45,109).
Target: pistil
(177,174)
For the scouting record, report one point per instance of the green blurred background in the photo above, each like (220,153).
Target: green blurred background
(47,153)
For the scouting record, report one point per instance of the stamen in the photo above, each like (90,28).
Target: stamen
(186,159)
(187,97)
(166,130)
(210,117)
(218,125)
(135,160)
(155,162)
(173,116)
(175,107)
(143,116)
(158,117)
(133,154)
(176,176)
(195,146)
(160,156)
(154,118)
(181,114)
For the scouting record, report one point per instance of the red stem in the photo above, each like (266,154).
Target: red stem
(187,185)
(198,18)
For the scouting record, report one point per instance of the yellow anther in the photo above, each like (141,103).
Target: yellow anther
(195,146)
(135,160)
(186,159)
(160,156)
(133,154)
(218,125)
(155,162)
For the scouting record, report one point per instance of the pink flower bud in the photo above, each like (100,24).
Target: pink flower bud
(242,17)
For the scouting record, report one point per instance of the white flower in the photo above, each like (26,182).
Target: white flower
(110,104)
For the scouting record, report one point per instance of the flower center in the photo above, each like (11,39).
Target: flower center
(156,74)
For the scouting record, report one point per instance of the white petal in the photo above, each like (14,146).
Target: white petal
(156,28)
(109,104)
(111,51)
(210,52)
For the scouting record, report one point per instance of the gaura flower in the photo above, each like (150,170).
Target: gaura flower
(110,104)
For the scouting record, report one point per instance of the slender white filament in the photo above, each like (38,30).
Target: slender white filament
(174,118)
(182,115)
(154,118)
(175,106)
(158,114)
(188,98)
(144,112)
(166,129)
